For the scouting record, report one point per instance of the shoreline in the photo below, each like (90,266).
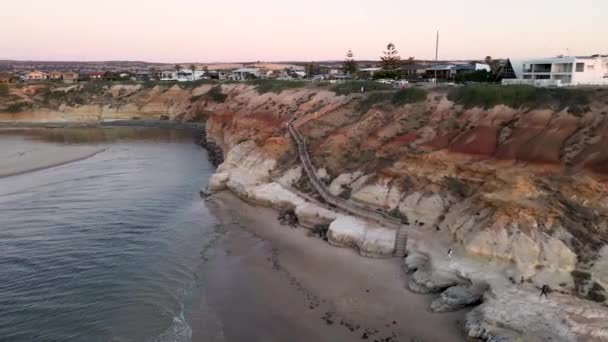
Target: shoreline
(499,308)
(92,124)
(52,165)
(325,294)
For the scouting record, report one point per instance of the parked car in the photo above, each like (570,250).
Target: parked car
(385,81)
(401,83)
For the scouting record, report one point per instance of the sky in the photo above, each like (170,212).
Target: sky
(287,30)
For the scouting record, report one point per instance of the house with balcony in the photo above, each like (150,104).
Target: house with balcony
(567,70)
(441,72)
(36,76)
(244,74)
(55,76)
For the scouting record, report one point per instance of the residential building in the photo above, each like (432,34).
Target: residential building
(184,75)
(414,70)
(368,72)
(37,76)
(70,77)
(510,69)
(7,78)
(568,70)
(472,67)
(441,72)
(55,76)
(243,74)
(95,75)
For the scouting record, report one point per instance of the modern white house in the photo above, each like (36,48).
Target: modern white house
(243,74)
(566,70)
(184,75)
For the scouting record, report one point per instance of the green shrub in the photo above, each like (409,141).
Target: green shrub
(350,87)
(597,293)
(408,95)
(216,94)
(374,98)
(18,107)
(4,90)
(194,84)
(516,96)
(275,86)
(457,187)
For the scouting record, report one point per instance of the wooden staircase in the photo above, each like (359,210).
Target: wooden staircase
(400,242)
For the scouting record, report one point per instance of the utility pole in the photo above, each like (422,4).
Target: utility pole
(436,54)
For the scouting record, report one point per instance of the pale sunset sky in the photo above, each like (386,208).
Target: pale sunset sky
(283,30)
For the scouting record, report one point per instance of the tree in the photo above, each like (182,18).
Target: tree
(350,65)
(192,67)
(410,61)
(391,60)
(178,68)
(488,60)
(311,69)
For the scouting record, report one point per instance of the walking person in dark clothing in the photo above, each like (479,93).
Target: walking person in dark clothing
(543,291)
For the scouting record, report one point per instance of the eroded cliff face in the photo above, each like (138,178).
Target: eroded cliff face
(524,187)
(518,194)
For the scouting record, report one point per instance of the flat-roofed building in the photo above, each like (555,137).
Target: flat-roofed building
(568,70)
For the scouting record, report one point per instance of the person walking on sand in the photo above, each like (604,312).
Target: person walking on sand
(450,253)
(543,291)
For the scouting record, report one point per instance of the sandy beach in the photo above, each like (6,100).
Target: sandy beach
(268,282)
(19,155)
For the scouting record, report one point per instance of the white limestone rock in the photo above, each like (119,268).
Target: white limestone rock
(423,208)
(458,297)
(309,215)
(370,240)
(337,185)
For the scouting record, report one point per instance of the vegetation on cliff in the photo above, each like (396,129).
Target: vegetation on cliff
(520,96)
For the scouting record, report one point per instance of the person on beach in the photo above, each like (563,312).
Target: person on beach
(543,291)
(450,253)
(521,281)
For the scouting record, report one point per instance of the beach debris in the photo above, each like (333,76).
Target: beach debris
(321,231)
(287,217)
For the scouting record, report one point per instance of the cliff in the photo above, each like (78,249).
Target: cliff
(516,178)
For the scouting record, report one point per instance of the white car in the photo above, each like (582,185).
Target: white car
(385,81)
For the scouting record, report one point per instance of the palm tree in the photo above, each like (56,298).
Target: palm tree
(192,67)
(178,68)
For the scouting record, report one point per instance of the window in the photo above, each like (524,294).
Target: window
(580,67)
(542,77)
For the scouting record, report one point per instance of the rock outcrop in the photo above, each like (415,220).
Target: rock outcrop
(514,192)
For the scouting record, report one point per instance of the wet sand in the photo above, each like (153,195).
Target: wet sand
(22,156)
(266,282)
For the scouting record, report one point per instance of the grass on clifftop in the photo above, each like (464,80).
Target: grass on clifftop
(350,87)
(3,90)
(397,98)
(517,96)
(275,86)
(408,95)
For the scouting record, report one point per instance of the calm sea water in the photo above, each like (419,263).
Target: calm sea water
(107,248)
